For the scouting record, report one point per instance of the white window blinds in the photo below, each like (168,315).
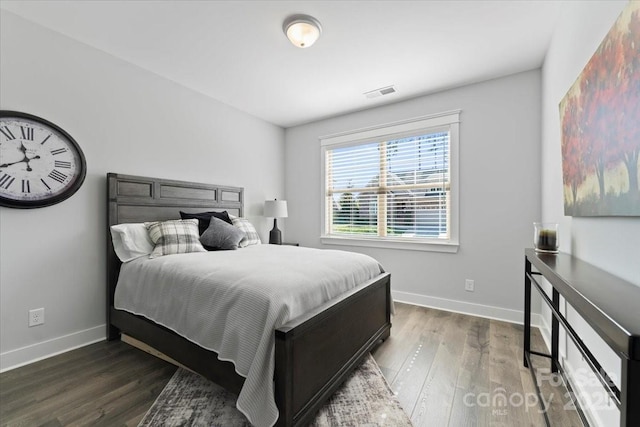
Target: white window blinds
(393,188)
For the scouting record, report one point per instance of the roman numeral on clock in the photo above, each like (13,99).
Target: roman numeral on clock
(58,176)
(58,151)
(6,180)
(45,140)
(27,133)
(45,184)
(26,187)
(60,164)
(6,132)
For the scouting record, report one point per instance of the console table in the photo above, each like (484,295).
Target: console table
(610,305)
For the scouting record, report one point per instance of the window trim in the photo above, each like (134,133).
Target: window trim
(449,119)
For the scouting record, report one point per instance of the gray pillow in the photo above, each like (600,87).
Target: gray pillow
(221,235)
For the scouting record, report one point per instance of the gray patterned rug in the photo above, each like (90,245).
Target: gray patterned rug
(365,399)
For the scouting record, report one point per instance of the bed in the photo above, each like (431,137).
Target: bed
(314,352)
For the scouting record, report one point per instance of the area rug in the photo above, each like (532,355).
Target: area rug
(365,399)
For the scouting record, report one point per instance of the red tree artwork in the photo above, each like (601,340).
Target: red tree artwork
(573,169)
(600,125)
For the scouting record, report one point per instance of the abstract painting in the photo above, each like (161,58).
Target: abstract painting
(600,126)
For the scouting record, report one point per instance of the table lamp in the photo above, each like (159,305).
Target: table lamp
(275,209)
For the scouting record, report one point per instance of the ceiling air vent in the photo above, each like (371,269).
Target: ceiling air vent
(379,92)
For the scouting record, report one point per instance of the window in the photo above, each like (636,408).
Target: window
(393,185)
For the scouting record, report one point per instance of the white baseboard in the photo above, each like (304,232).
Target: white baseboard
(43,350)
(487,311)
(545,331)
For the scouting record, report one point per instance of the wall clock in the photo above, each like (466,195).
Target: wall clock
(40,164)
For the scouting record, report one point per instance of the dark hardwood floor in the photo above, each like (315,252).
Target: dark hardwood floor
(447,369)
(103,384)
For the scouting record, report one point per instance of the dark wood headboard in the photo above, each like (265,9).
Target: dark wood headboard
(134,199)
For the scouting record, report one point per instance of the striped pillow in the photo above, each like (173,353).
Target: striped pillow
(174,237)
(252,237)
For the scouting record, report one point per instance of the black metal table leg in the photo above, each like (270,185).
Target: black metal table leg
(527,311)
(555,328)
(629,407)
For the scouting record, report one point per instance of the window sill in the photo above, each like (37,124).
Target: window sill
(446,247)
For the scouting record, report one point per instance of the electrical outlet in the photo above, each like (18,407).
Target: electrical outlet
(36,317)
(469,285)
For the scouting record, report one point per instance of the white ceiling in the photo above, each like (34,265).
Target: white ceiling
(236,52)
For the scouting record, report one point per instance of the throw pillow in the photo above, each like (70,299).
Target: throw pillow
(204,218)
(221,235)
(174,237)
(252,237)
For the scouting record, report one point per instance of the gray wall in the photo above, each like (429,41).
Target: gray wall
(127,120)
(499,194)
(612,244)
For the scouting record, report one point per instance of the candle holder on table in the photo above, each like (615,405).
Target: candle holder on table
(545,237)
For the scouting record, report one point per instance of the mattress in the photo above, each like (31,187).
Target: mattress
(231,302)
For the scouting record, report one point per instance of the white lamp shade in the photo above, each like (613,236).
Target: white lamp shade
(275,209)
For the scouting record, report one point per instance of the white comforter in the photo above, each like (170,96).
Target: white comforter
(231,302)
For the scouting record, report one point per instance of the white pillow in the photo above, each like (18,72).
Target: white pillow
(131,241)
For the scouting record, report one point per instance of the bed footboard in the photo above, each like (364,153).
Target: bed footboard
(315,352)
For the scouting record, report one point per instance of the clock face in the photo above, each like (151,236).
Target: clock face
(40,164)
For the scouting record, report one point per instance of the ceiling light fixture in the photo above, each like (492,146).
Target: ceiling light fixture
(302,30)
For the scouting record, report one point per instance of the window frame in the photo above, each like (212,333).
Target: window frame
(396,130)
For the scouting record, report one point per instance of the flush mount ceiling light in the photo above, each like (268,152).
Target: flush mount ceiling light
(302,30)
